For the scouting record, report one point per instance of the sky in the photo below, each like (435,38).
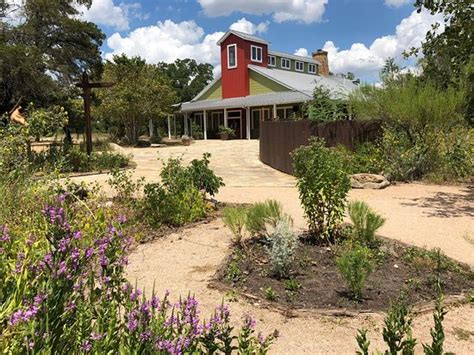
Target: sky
(359,35)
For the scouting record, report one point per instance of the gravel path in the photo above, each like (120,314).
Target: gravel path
(424,215)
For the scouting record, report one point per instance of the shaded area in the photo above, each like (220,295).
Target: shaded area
(445,204)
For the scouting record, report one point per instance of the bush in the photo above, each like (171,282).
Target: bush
(203,177)
(123,185)
(323,184)
(264,214)
(235,219)
(355,263)
(366,222)
(366,158)
(283,245)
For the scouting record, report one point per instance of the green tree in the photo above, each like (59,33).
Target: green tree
(44,49)
(446,53)
(187,77)
(390,70)
(324,107)
(141,92)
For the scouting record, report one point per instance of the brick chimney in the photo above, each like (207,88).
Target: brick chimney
(322,57)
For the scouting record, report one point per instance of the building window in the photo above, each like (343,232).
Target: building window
(312,68)
(231,56)
(299,66)
(272,61)
(285,113)
(256,54)
(285,63)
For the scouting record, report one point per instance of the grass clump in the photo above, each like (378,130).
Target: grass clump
(366,222)
(235,218)
(261,215)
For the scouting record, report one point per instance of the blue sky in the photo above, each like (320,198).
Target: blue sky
(358,34)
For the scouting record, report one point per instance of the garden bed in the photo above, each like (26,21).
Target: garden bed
(315,282)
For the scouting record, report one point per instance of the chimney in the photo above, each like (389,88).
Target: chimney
(322,57)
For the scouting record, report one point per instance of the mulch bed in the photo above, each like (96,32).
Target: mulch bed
(323,287)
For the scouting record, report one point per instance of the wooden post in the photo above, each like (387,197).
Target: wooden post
(86,94)
(205,124)
(274,113)
(225,118)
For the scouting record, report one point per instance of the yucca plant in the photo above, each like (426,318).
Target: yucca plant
(235,219)
(366,222)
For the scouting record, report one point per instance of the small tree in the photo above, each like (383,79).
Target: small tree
(324,107)
(323,184)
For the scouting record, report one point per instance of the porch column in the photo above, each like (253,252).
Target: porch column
(151,128)
(205,124)
(274,112)
(225,118)
(247,120)
(186,131)
(169,126)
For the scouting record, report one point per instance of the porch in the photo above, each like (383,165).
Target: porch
(202,119)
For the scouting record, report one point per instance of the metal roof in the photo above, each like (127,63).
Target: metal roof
(243,35)
(295,57)
(306,83)
(283,97)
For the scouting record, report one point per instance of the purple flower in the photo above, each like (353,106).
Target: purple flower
(89,252)
(135,294)
(122,219)
(5,234)
(155,302)
(77,235)
(132,324)
(145,336)
(71,306)
(249,322)
(86,346)
(96,336)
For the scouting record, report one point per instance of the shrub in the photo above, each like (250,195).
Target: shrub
(203,177)
(235,219)
(124,186)
(263,214)
(281,252)
(292,285)
(355,264)
(365,221)
(323,185)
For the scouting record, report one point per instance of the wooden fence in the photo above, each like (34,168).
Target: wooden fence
(278,139)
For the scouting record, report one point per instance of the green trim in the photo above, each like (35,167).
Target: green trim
(260,84)
(213,93)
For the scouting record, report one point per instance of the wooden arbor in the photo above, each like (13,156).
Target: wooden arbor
(87,95)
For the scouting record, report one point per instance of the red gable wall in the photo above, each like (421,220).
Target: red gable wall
(235,82)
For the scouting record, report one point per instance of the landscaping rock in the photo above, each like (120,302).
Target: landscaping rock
(369,181)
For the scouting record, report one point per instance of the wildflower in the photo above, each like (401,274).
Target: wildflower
(77,235)
(96,336)
(145,336)
(155,302)
(122,219)
(89,252)
(135,294)
(249,322)
(86,346)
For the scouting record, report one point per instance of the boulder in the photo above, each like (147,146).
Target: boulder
(369,181)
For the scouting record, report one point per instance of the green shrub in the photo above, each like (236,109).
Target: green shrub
(235,219)
(203,177)
(365,221)
(281,252)
(292,285)
(263,214)
(124,186)
(233,272)
(108,161)
(323,184)
(355,263)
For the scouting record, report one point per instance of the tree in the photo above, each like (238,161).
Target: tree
(325,108)
(390,70)
(141,92)
(45,49)
(187,77)
(447,53)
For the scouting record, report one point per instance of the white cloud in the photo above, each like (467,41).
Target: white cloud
(243,25)
(105,12)
(167,41)
(302,52)
(305,11)
(397,3)
(367,61)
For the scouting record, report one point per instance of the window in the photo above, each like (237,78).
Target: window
(272,61)
(284,113)
(312,68)
(299,66)
(232,56)
(285,63)
(256,54)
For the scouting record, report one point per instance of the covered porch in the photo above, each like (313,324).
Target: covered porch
(242,114)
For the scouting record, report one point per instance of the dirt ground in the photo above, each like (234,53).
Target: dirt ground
(419,214)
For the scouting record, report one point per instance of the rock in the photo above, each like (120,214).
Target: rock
(369,181)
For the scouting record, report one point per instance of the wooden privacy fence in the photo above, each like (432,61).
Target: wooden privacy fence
(279,138)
